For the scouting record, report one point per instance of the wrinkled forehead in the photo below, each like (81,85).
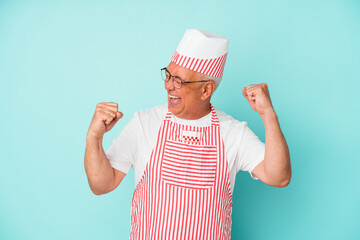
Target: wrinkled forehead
(184,73)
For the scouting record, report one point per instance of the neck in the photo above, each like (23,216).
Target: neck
(198,113)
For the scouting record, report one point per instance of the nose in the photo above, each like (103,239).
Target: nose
(169,85)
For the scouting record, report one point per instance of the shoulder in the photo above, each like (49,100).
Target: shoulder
(227,122)
(154,112)
(149,117)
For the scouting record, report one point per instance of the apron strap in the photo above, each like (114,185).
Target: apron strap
(214,118)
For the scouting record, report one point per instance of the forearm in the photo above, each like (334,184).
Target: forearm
(98,169)
(277,166)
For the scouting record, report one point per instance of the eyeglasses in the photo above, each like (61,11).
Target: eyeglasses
(178,82)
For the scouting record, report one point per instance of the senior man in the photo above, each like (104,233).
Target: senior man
(186,153)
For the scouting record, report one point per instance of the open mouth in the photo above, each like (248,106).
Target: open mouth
(174,100)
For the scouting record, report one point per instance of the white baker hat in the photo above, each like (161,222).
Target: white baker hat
(202,52)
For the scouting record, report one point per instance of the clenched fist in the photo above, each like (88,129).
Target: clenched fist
(259,98)
(105,117)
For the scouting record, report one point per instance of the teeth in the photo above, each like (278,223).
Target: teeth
(173,96)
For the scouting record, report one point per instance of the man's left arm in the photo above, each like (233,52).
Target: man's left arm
(275,169)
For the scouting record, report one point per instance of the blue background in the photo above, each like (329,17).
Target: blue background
(58,59)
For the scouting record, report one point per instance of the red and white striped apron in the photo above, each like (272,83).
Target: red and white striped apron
(184,192)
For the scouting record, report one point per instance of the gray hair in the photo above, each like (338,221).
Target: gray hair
(214,79)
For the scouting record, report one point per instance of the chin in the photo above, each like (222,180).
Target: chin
(174,110)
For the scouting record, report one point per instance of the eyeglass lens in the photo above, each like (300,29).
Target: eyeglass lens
(166,75)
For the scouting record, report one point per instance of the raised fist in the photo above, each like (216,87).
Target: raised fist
(259,98)
(105,117)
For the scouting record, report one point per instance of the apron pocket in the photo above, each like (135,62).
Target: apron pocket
(189,166)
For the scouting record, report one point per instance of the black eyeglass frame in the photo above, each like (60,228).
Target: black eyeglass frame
(181,81)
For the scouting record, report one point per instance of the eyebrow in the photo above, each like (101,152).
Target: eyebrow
(175,75)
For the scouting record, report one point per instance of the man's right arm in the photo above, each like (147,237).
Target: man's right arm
(102,177)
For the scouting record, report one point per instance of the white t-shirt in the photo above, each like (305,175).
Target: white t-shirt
(133,147)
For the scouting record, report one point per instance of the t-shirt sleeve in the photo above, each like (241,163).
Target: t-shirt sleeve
(251,152)
(122,153)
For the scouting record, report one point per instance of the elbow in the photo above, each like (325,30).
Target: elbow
(287,180)
(98,187)
(99,191)
(284,184)
(278,183)
(96,192)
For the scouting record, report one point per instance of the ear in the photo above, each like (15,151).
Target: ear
(207,90)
